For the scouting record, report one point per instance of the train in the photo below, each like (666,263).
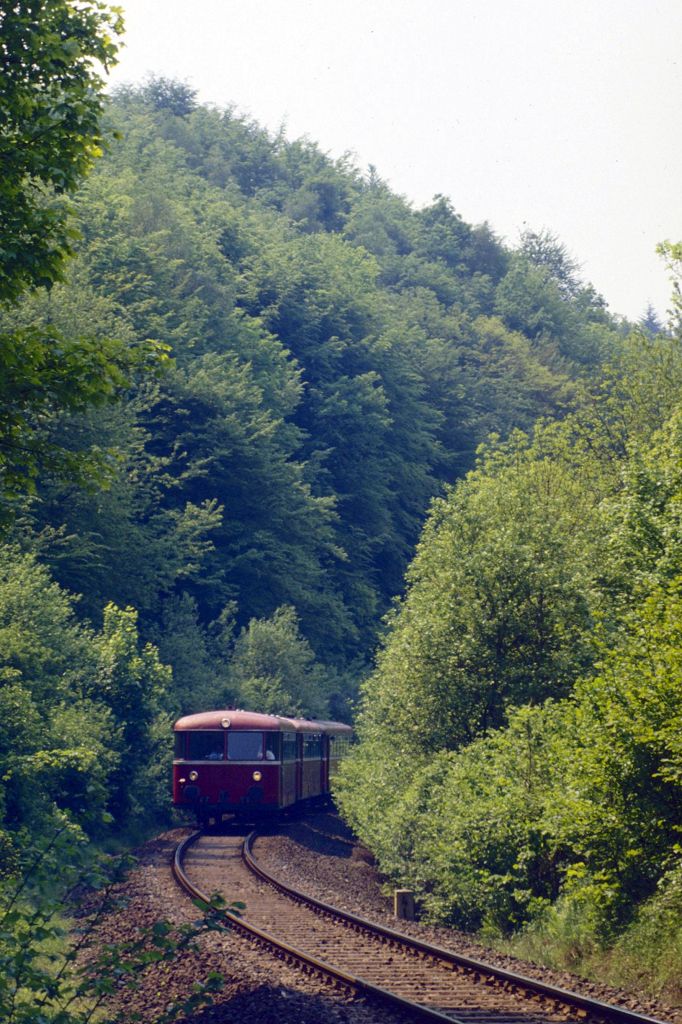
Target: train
(252,765)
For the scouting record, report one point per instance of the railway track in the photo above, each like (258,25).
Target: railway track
(422,981)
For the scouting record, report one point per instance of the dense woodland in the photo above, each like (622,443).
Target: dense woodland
(242,384)
(520,762)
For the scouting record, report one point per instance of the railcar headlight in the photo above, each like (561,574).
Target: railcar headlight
(225,722)
(257,776)
(193,776)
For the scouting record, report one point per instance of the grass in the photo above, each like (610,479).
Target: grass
(646,958)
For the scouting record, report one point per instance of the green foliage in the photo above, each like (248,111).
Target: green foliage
(50,108)
(198,655)
(45,374)
(552,571)
(530,301)
(578,802)
(637,392)
(544,249)
(273,669)
(671,252)
(166,94)
(635,961)
(650,321)
(43,646)
(50,135)
(48,974)
(335,358)
(499,605)
(54,744)
(645,514)
(81,711)
(132,683)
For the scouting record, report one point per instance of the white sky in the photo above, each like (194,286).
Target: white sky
(562,114)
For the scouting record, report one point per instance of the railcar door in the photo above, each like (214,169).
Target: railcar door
(312,764)
(299,767)
(324,781)
(289,778)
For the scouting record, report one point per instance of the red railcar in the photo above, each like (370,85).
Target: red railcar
(252,765)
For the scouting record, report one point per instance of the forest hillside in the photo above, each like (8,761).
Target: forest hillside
(312,359)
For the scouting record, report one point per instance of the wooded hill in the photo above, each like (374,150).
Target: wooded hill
(228,423)
(336,357)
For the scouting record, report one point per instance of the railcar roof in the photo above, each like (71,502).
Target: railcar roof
(253,720)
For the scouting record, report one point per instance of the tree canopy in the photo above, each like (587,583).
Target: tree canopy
(51,106)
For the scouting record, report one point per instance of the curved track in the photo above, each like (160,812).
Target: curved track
(424,981)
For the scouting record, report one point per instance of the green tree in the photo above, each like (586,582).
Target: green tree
(498,608)
(56,744)
(529,300)
(671,253)
(273,668)
(568,817)
(650,322)
(562,821)
(177,98)
(543,249)
(50,108)
(132,682)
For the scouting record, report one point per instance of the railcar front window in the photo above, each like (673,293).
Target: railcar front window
(245,746)
(179,745)
(271,746)
(205,746)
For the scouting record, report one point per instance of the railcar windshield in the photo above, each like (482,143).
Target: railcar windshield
(245,746)
(179,745)
(272,746)
(205,746)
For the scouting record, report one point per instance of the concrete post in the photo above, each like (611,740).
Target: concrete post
(403,904)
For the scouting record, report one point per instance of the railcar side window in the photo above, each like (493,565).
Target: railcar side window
(245,746)
(179,745)
(289,746)
(339,745)
(312,746)
(205,746)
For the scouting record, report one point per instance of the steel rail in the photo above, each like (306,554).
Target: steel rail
(305,960)
(606,1011)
